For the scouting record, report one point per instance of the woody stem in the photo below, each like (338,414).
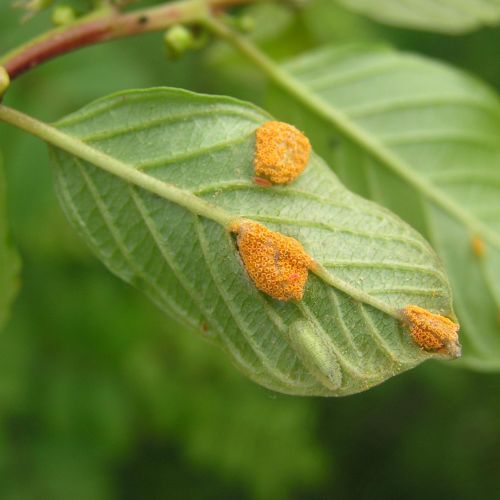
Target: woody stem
(108,23)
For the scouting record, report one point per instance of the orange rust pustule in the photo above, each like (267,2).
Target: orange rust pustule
(281,152)
(433,332)
(478,246)
(277,264)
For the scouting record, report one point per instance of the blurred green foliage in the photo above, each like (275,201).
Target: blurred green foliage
(102,397)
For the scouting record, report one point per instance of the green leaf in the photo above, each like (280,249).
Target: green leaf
(449,16)
(9,260)
(175,169)
(424,140)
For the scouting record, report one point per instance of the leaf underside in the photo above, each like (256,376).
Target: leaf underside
(438,123)
(190,267)
(9,260)
(448,16)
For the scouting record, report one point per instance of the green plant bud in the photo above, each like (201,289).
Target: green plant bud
(245,23)
(178,39)
(63,15)
(4,81)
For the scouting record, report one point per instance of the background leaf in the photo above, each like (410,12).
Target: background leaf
(449,16)
(427,125)
(9,260)
(189,264)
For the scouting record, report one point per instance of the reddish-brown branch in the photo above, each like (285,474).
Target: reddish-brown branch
(110,26)
(59,43)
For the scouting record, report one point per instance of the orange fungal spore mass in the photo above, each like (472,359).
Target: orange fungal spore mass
(281,152)
(277,264)
(478,246)
(433,332)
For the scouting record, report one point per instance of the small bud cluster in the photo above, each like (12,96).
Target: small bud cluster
(178,39)
(63,15)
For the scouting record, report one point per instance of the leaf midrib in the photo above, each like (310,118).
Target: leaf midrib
(169,192)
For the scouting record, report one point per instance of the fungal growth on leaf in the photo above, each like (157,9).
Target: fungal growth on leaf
(478,246)
(281,152)
(277,264)
(433,332)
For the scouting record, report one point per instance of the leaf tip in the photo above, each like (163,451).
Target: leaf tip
(277,264)
(433,332)
(281,152)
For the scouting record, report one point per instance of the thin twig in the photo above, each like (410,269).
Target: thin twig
(109,24)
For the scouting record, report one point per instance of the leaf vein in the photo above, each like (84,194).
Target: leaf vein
(171,159)
(158,122)
(170,261)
